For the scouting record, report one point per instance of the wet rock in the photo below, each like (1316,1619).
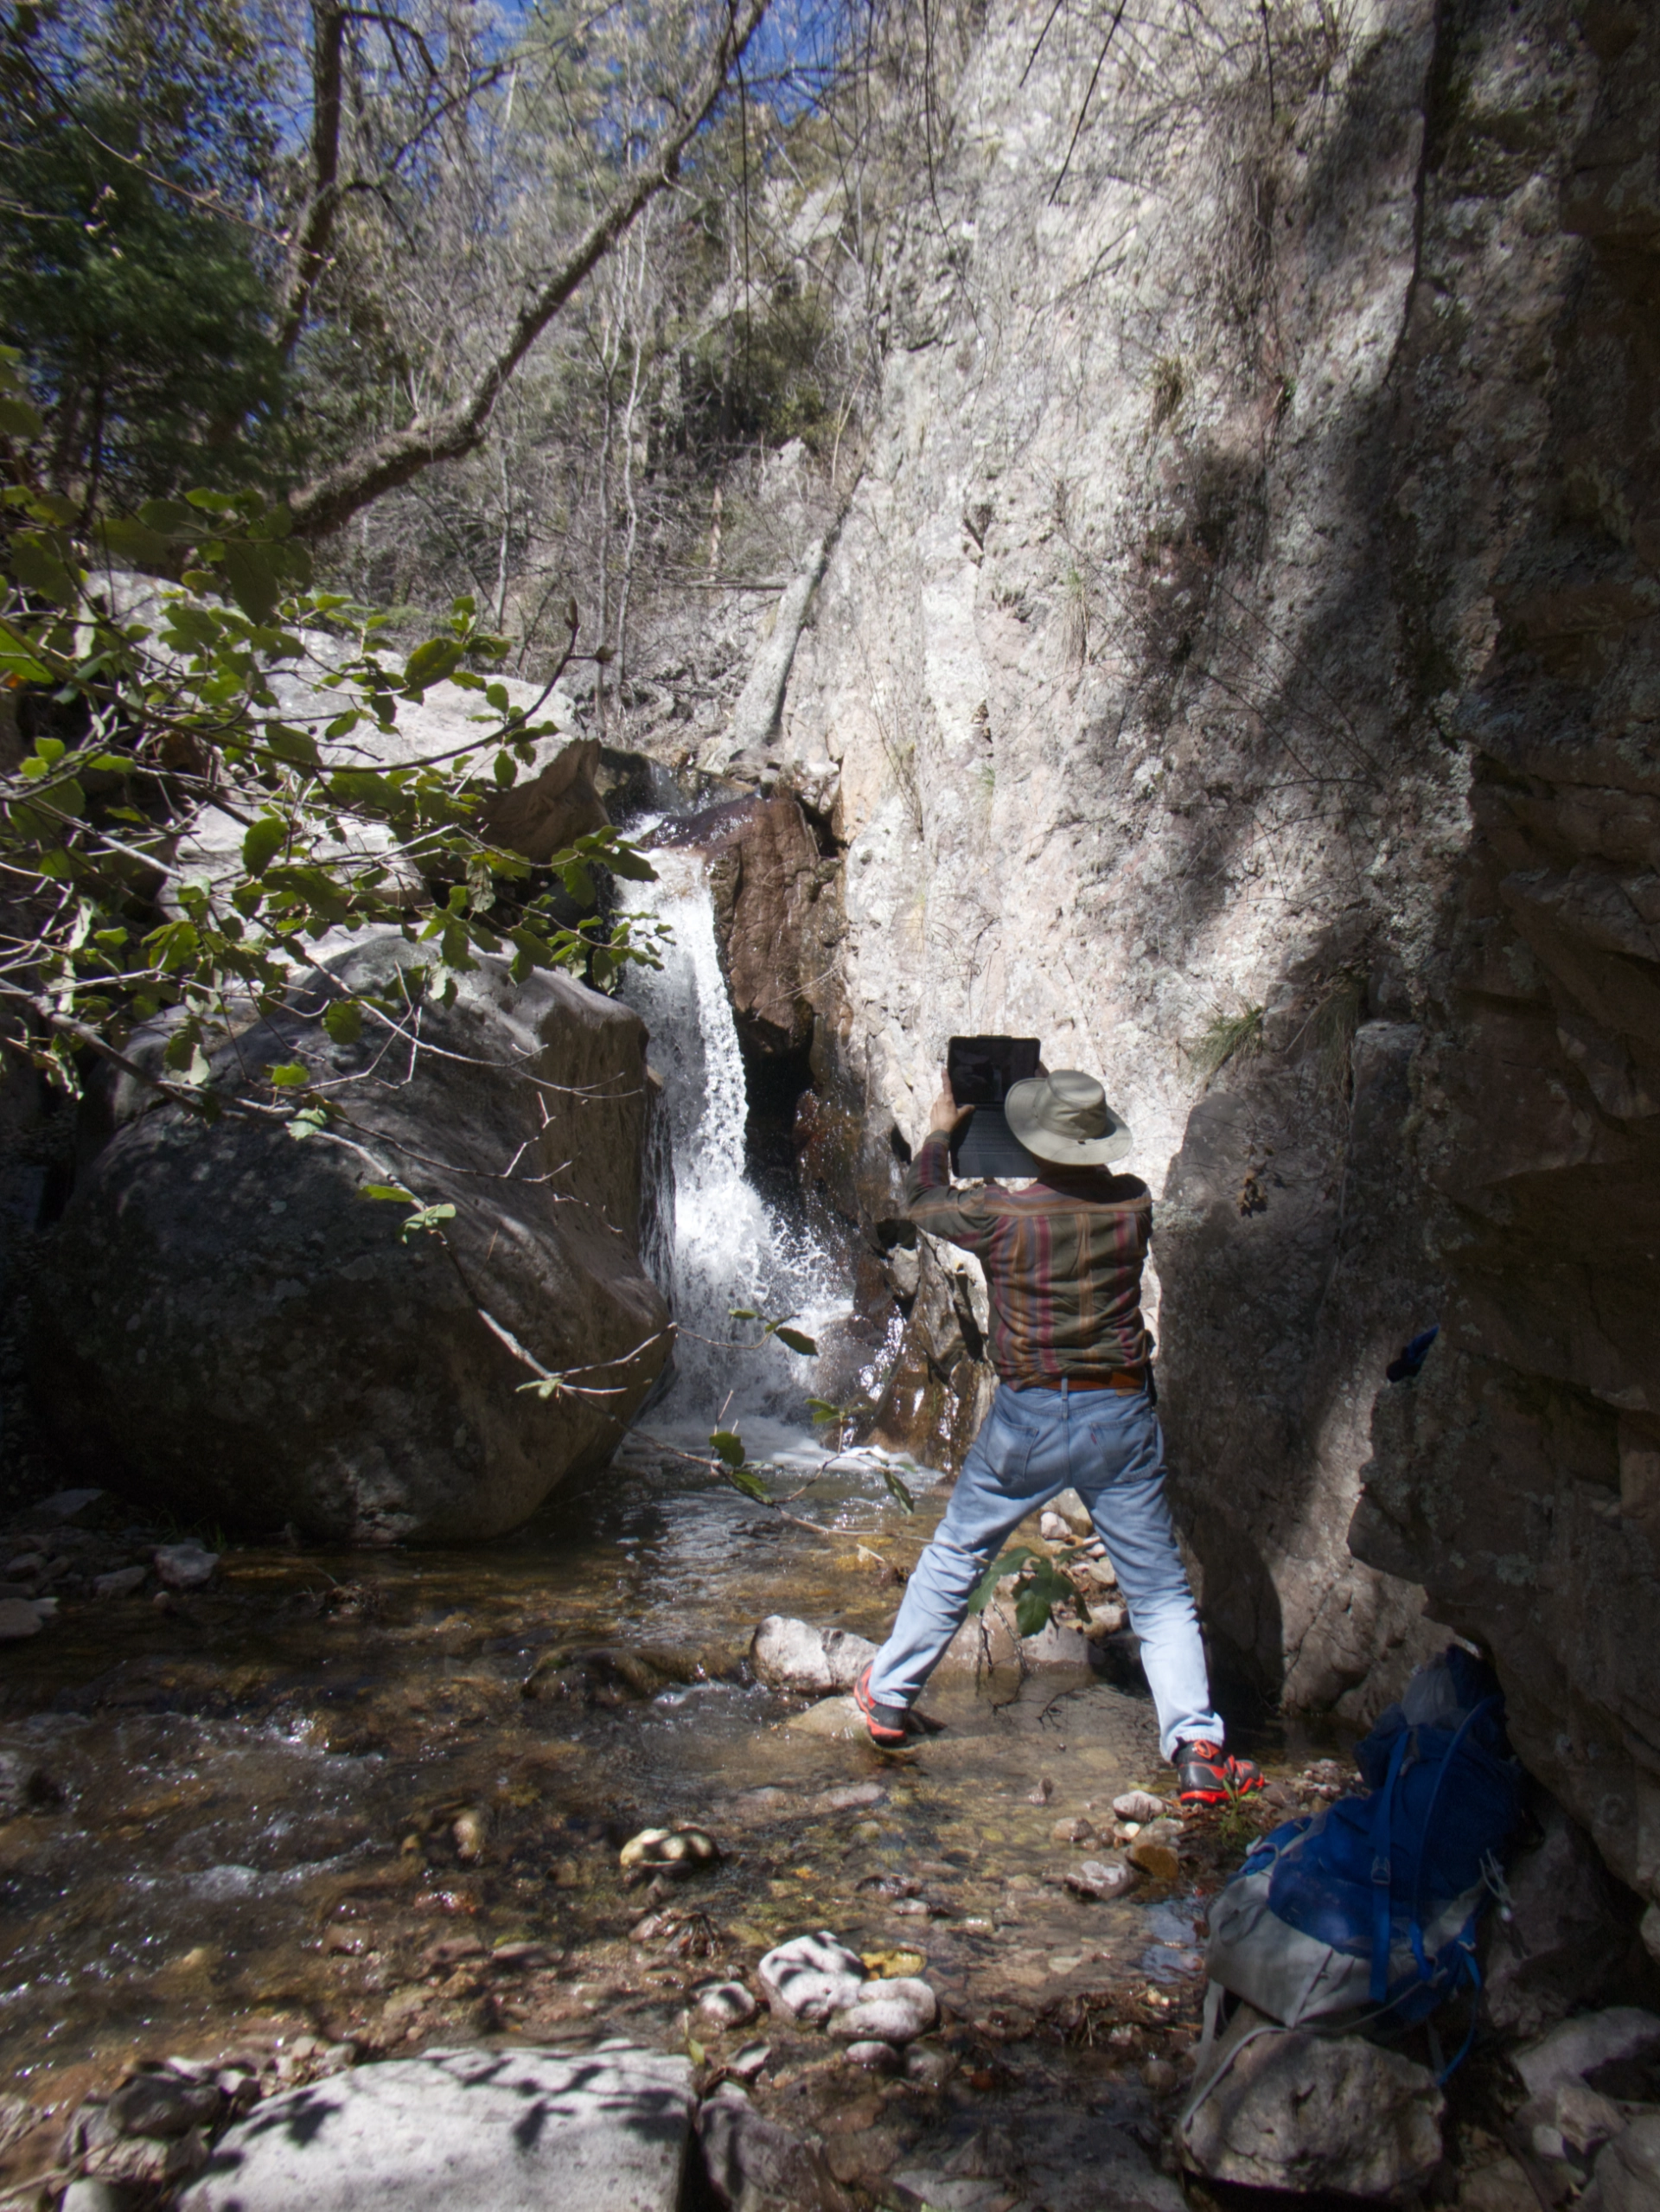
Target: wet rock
(1042,1794)
(1565,1941)
(163,2104)
(811,1977)
(1626,2177)
(263,1347)
(834,1717)
(1159,2076)
(24,1786)
(1074,1830)
(20,1617)
(122,1581)
(1140,1805)
(185,1566)
(724,2005)
(850,1798)
(875,2058)
(750,2063)
(470,1829)
(1156,1855)
(888,2011)
(755,2165)
(1304,2111)
(1579,2046)
(794,1655)
(465,2131)
(668,1851)
(928,2067)
(1099,1879)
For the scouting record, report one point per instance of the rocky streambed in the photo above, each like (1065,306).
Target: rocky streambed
(329,1810)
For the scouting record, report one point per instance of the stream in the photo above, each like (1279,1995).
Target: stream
(344,1804)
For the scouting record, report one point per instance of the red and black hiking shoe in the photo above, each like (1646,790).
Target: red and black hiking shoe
(1206,1774)
(887,1725)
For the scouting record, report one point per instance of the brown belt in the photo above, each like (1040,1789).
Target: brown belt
(1122,1381)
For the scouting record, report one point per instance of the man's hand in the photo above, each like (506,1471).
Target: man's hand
(946,1116)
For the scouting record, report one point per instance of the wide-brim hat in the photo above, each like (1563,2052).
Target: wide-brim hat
(1064,1118)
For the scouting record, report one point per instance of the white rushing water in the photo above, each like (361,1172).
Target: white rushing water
(731,1249)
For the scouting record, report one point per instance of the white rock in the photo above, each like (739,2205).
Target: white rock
(726,2004)
(1304,2112)
(794,1655)
(185,1566)
(888,2011)
(1140,1805)
(876,2058)
(1101,1878)
(465,2131)
(812,1976)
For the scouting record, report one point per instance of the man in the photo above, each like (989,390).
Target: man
(1063,1261)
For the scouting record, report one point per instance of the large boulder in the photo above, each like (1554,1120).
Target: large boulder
(225,1325)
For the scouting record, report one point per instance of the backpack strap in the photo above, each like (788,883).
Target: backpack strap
(1425,1969)
(1383,1872)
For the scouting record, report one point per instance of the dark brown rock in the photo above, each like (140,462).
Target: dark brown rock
(554,808)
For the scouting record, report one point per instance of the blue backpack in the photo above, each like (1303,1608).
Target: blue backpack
(1364,1915)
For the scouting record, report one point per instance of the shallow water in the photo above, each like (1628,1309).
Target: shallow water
(260,1790)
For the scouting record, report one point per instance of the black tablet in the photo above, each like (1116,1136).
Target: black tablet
(981,1072)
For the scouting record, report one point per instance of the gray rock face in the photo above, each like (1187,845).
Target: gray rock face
(465,2131)
(1304,2111)
(1569,1939)
(794,1655)
(225,1318)
(1582,2044)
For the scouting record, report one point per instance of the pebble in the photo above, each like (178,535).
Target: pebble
(875,2058)
(888,2011)
(185,1566)
(670,1850)
(1101,1878)
(811,1977)
(726,2004)
(747,2064)
(1042,1794)
(1140,1805)
(1053,1529)
(1075,1830)
(927,2066)
(1160,2076)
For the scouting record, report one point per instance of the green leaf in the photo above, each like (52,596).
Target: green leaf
(169,516)
(267,834)
(897,1491)
(22,667)
(796,1341)
(19,419)
(578,881)
(506,768)
(344,1021)
(745,1479)
(743,1314)
(389,1191)
(729,1446)
(126,539)
(38,569)
(289,1074)
(252,578)
(297,747)
(426,1217)
(430,663)
(213,503)
(307,1122)
(627,860)
(1008,1565)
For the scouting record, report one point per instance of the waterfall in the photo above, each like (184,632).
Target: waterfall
(731,1248)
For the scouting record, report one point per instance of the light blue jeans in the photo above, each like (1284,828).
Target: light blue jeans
(1109,1446)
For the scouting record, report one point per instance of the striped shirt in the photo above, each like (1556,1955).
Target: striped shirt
(1063,1263)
